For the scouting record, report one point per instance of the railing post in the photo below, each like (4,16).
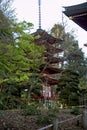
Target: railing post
(85,120)
(55,124)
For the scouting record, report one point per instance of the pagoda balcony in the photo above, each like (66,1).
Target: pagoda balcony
(49,48)
(49,69)
(49,80)
(52,60)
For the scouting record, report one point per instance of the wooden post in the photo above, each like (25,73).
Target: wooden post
(55,124)
(85,120)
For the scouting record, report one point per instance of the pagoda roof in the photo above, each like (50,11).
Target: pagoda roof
(52,60)
(49,81)
(49,48)
(51,70)
(44,36)
(47,71)
(78,13)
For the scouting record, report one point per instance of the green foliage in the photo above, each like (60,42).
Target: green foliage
(43,120)
(19,63)
(68,87)
(31,109)
(73,99)
(75,111)
(47,118)
(22,55)
(73,55)
(6,18)
(13,63)
(58,31)
(52,112)
(7,9)
(6,36)
(10,95)
(76,61)
(75,66)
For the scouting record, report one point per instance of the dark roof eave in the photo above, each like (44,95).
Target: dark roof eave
(78,13)
(85,44)
(75,9)
(45,36)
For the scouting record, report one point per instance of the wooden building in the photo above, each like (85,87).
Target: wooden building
(78,13)
(49,71)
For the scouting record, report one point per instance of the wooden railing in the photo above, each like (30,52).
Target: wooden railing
(63,124)
(71,123)
(77,120)
(49,127)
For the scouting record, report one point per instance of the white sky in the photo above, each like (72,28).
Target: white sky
(51,13)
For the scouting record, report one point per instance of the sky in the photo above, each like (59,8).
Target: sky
(51,13)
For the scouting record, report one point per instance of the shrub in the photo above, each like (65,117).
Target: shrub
(44,119)
(75,111)
(48,117)
(31,110)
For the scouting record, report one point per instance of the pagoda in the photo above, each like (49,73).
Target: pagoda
(48,71)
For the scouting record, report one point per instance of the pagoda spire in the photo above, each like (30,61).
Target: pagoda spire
(39,5)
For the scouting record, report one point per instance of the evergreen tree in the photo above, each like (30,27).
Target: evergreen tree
(75,62)
(68,87)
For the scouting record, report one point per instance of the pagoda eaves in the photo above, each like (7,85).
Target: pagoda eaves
(47,37)
(47,70)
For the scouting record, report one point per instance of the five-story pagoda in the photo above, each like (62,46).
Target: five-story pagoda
(49,71)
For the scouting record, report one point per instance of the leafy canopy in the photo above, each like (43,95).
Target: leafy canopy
(24,55)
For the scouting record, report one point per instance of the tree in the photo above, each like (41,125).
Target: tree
(68,87)
(75,59)
(73,55)
(7,9)
(6,36)
(59,31)
(18,63)
(77,62)
(6,19)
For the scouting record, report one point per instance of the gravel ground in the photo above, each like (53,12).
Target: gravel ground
(14,120)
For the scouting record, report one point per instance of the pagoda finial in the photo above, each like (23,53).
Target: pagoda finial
(39,4)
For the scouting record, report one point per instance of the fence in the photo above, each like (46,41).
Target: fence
(49,127)
(68,124)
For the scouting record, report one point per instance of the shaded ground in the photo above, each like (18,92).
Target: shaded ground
(14,120)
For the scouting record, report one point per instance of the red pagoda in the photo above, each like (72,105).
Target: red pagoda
(49,71)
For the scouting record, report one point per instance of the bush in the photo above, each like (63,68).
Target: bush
(43,119)
(48,117)
(31,110)
(75,111)
(52,112)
